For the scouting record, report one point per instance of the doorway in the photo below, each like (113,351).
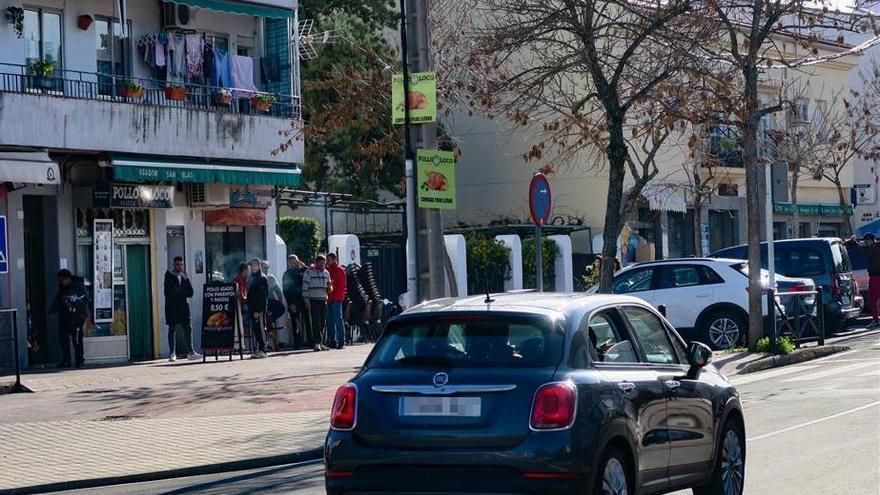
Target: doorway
(35,262)
(137,288)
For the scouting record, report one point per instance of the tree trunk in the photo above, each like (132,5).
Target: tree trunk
(846,225)
(698,225)
(795,214)
(754,201)
(613,211)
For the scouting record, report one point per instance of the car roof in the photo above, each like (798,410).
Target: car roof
(805,240)
(684,260)
(522,302)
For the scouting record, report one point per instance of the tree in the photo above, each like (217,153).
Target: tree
(751,42)
(594,80)
(351,144)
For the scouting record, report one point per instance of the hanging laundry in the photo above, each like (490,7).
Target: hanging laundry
(208,65)
(159,53)
(195,46)
(271,68)
(222,71)
(242,74)
(176,64)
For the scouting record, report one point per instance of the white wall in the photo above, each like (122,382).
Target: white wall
(457,249)
(515,282)
(563,266)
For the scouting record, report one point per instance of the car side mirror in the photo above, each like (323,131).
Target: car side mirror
(699,355)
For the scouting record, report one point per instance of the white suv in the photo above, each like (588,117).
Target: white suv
(705,299)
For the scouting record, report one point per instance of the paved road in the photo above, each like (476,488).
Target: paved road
(813,429)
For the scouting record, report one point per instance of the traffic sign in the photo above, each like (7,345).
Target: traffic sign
(4,247)
(540,199)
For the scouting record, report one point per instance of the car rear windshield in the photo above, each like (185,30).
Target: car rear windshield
(841,258)
(470,342)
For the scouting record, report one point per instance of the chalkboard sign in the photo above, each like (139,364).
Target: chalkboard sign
(218,316)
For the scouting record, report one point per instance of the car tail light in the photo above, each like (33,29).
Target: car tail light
(798,288)
(835,286)
(554,406)
(344,413)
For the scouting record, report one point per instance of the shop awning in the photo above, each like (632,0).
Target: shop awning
(208,172)
(242,8)
(665,198)
(28,168)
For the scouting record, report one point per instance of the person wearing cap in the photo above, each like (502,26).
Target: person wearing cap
(72,305)
(257,298)
(316,287)
(871,251)
(336,298)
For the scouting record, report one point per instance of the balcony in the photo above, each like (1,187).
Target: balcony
(81,111)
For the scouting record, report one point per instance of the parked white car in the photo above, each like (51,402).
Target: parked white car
(705,299)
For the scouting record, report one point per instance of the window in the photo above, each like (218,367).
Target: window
(112,53)
(607,342)
(651,334)
(709,275)
(841,258)
(470,342)
(42,36)
(798,262)
(633,281)
(679,276)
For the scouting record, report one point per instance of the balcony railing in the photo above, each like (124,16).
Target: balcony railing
(116,88)
(724,148)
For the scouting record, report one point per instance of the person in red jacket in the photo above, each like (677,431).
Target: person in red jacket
(335,323)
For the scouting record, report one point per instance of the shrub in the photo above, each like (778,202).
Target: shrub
(549,250)
(784,345)
(488,264)
(302,236)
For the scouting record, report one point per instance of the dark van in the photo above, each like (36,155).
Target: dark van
(825,260)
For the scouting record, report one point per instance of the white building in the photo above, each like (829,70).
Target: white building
(115,129)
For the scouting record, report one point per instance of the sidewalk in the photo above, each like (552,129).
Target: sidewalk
(136,420)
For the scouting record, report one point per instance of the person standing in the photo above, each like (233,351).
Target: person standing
(291,284)
(315,289)
(871,251)
(336,324)
(178,289)
(257,298)
(72,305)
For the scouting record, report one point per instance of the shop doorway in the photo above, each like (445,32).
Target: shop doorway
(137,285)
(176,240)
(43,349)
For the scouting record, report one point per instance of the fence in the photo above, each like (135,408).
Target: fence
(9,359)
(98,86)
(802,316)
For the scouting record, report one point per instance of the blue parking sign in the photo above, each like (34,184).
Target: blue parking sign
(4,247)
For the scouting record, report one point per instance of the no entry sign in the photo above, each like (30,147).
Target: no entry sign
(540,199)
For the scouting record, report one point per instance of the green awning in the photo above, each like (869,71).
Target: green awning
(147,169)
(234,7)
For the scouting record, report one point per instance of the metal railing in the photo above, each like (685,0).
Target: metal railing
(802,316)
(6,339)
(98,86)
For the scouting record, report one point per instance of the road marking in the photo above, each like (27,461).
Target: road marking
(764,375)
(815,421)
(870,373)
(828,372)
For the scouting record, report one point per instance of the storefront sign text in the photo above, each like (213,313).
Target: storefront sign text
(134,196)
(436,179)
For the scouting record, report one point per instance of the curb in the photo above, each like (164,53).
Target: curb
(261,462)
(798,356)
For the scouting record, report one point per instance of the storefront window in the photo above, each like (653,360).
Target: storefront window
(227,246)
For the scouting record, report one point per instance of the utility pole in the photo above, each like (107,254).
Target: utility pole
(432,277)
(412,264)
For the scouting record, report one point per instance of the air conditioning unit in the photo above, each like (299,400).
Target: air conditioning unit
(203,195)
(174,15)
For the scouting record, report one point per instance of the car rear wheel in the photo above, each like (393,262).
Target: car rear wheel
(615,477)
(729,476)
(724,329)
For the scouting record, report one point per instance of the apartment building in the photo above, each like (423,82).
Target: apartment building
(157,121)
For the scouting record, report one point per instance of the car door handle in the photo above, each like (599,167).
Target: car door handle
(702,295)
(626,387)
(672,384)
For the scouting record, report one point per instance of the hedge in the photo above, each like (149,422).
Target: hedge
(549,250)
(302,236)
(488,264)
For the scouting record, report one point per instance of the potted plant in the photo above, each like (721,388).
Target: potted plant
(15,16)
(223,97)
(132,89)
(42,71)
(262,101)
(175,93)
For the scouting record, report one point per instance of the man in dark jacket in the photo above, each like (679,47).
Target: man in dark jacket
(871,251)
(291,284)
(72,305)
(257,297)
(178,289)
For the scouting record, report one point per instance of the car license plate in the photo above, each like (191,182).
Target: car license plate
(462,407)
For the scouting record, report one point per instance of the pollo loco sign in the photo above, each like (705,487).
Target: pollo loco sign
(436,179)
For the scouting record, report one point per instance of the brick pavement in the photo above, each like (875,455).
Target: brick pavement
(152,417)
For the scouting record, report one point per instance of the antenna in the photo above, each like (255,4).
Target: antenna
(306,40)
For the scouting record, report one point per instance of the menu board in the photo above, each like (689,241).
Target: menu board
(218,316)
(103,271)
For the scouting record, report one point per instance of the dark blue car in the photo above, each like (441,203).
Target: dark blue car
(535,394)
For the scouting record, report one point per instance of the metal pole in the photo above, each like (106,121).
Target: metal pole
(820,314)
(539,260)
(17,387)
(771,316)
(771,256)
(412,279)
